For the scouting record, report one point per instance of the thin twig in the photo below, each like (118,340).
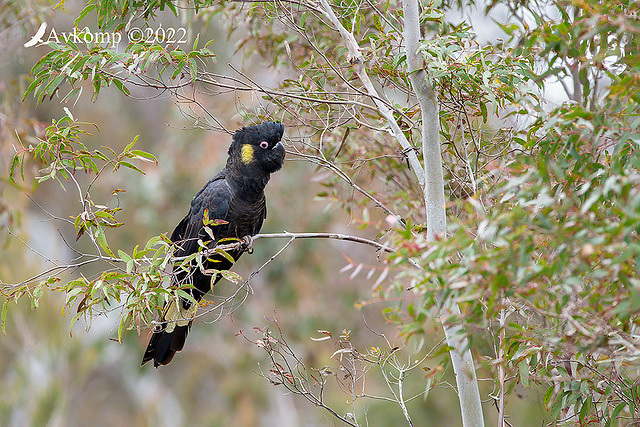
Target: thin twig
(501,363)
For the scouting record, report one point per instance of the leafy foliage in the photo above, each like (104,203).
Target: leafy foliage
(543,252)
(554,246)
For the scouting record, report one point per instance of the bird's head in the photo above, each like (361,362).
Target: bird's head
(258,147)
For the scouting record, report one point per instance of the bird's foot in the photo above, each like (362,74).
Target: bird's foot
(247,244)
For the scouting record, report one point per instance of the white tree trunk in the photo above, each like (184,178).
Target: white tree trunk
(461,357)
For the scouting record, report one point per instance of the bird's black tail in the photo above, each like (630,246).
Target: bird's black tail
(171,335)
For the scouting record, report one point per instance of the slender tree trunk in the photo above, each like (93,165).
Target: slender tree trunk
(461,357)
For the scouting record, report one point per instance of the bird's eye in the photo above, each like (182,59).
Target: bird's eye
(264,145)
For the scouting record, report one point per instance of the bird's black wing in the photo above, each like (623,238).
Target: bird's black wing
(214,198)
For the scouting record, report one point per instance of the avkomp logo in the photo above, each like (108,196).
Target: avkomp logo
(37,38)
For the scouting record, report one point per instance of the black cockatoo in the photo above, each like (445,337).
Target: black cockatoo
(235,196)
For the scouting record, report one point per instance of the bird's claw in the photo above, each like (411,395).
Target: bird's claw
(247,244)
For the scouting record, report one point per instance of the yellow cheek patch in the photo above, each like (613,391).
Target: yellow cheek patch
(247,153)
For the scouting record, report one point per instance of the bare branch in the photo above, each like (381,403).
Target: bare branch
(337,236)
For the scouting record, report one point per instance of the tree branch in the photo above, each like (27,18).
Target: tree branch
(244,244)
(338,236)
(358,62)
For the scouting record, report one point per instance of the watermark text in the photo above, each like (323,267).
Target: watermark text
(160,35)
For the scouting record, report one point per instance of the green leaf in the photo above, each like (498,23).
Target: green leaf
(37,294)
(101,238)
(131,166)
(483,111)
(225,254)
(557,404)
(37,82)
(172,6)
(131,144)
(144,156)
(195,42)
(548,395)
(74,319)
(523,367)
(14,163)
(123,255)
(618,410)
(53,84)
(124,321)
(71,94)
(178,70)
(84,12)
(3,316)
(585,409)
(185,295)
(129,266)
(231,276)
(121,87)
(194,69)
